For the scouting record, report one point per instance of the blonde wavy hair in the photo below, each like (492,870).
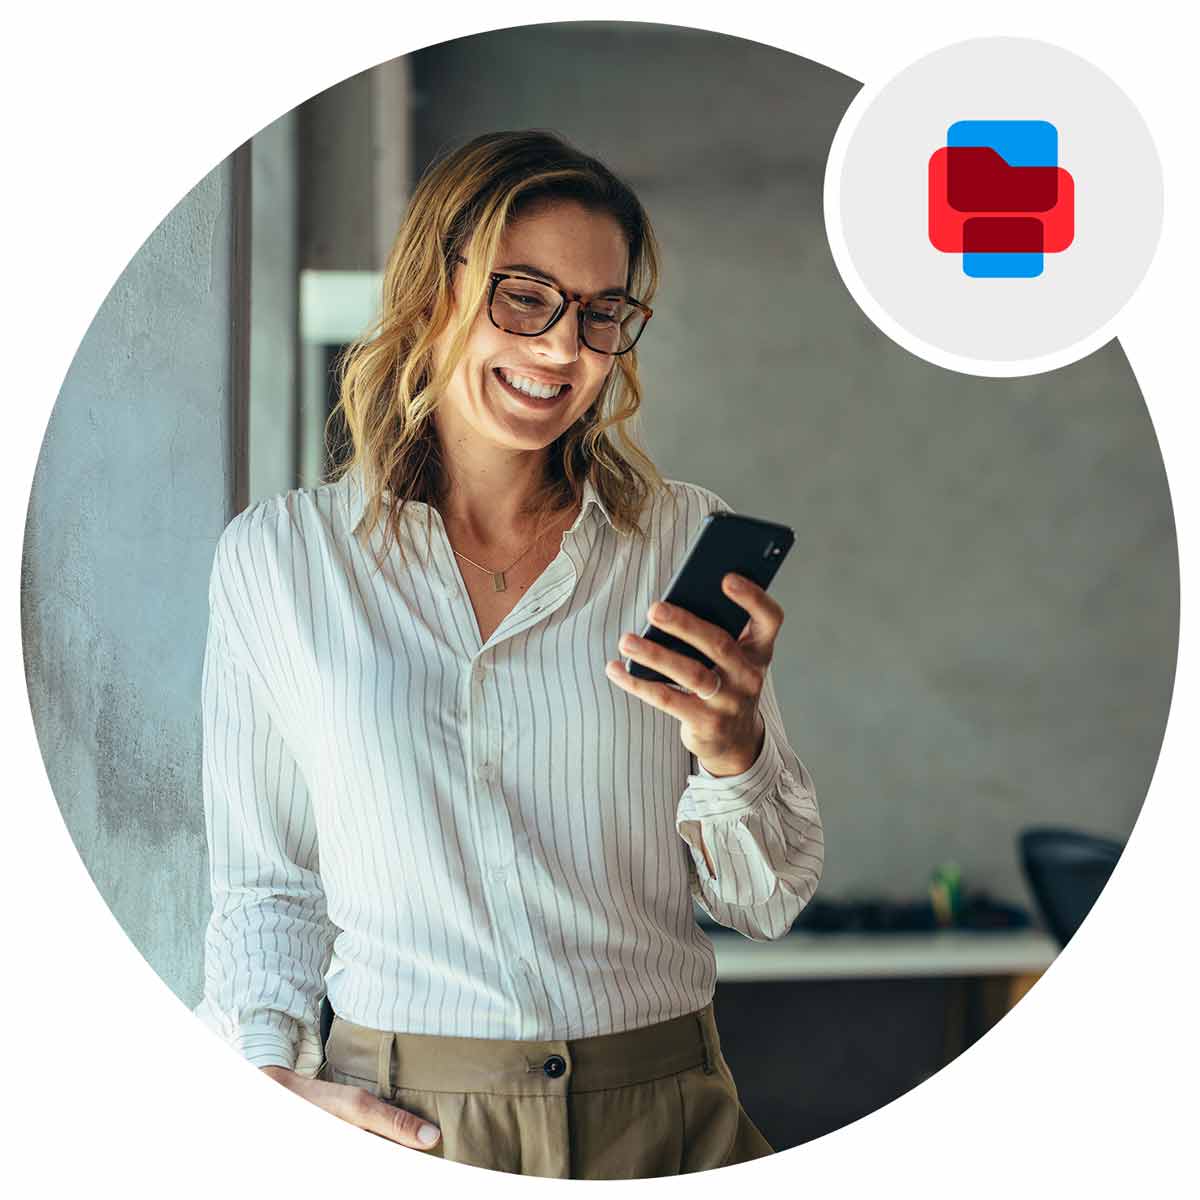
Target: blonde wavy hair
(387,388)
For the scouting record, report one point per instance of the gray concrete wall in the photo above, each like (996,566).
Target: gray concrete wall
(274,431)
(982,603)
(134,484)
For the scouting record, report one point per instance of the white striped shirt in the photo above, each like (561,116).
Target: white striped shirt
(508,842)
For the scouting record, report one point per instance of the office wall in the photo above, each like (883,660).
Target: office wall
(982,601)
(274,419)
(354,141)
(135,481)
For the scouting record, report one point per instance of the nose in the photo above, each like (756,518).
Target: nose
(560,342)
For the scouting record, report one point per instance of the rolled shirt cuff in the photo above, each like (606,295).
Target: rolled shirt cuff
(709,795)
(275,1040)
(735,813)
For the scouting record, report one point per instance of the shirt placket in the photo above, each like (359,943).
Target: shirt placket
(501,848)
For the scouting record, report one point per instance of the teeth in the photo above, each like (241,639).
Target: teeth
(539,391)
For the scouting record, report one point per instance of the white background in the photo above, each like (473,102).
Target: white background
(112,112)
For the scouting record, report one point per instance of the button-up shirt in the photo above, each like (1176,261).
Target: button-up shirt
(456,836)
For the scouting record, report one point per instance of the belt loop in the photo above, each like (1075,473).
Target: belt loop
(708,1054)
(385,1065)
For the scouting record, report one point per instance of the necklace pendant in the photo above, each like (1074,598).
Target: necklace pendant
(498,580)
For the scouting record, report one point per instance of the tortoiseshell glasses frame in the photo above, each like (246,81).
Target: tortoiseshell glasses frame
(565,300)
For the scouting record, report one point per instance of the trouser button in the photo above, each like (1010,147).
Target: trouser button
(554,1066)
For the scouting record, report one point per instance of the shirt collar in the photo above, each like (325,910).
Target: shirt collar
(590,497)
(358,500)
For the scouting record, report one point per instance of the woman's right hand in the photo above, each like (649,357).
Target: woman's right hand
(359,1107)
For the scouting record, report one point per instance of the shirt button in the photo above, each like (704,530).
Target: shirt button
(554,1066)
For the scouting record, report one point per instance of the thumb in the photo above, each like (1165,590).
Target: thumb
(405,1127)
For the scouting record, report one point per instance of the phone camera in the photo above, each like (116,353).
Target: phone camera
(772,551)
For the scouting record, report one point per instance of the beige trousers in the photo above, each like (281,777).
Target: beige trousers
(646,1102)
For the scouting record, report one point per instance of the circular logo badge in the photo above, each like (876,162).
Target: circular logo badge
(994,206)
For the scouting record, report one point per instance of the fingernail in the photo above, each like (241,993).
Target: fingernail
(658,609)
(427,1134)
(734,582)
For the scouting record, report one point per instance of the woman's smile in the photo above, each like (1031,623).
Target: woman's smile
(540,402)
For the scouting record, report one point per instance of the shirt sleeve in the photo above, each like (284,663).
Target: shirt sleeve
(268,942)
(763,832)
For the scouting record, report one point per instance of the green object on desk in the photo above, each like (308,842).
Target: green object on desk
(945,892)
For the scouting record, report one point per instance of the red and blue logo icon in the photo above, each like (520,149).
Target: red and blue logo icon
(998,197)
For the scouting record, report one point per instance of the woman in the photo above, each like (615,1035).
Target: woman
(422,777)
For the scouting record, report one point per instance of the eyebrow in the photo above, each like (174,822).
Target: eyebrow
(528,269)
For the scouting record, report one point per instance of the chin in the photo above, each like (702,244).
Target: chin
(515,434)
(530,430)
(535,441)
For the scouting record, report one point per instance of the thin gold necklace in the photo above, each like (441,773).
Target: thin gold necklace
(498,576)
(498,580)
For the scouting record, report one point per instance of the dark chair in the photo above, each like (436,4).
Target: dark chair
(1067,871)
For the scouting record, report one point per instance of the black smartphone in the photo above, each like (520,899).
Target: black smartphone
(725,542)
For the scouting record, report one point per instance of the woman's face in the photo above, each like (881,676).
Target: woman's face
(584,253)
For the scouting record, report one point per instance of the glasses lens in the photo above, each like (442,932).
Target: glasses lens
(612,326)
(523,306)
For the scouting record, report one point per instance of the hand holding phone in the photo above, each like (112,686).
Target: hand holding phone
(725,542)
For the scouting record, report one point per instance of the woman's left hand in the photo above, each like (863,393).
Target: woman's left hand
(724,732)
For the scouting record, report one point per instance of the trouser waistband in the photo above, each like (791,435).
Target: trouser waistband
(429,1062)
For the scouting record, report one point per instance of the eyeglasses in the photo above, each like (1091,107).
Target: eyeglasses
(609,324)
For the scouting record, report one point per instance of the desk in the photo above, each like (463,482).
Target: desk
(987,972)
(944,953)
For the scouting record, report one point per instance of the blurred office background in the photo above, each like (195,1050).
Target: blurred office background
(982,604)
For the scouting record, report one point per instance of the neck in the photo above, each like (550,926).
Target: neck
(489,493)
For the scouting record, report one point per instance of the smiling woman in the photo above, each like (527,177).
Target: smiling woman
(418,755)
